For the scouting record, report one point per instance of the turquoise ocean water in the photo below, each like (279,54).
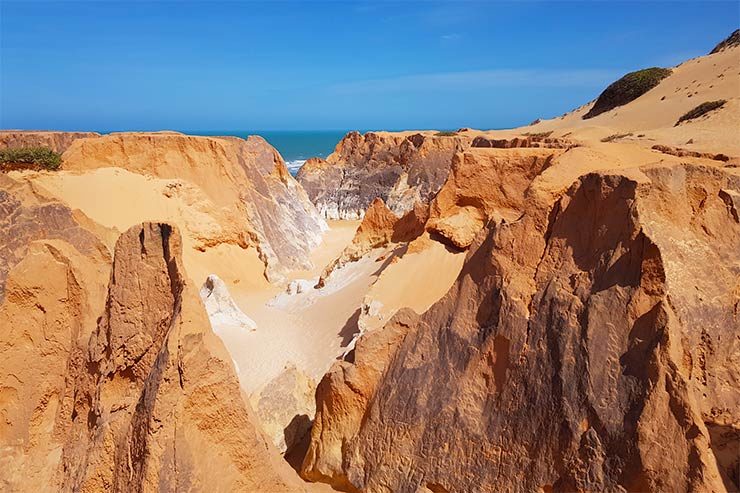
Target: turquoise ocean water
(294,146)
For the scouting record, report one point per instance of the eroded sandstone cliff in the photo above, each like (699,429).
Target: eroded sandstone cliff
(258,201)
(124,390)
(400,168)
(375,231)
(583,348)
(56,141)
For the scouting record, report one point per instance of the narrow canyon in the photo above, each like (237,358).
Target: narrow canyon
(551,308)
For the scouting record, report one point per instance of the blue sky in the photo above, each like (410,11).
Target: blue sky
(282,65)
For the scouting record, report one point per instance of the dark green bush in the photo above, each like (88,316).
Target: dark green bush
(538,135)
(729,42)
(702,109)
(614,137)
(627,89)
(32,157)
(446,134)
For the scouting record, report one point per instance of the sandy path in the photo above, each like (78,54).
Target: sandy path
(308,329)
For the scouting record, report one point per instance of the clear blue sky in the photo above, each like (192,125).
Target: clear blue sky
(336,65)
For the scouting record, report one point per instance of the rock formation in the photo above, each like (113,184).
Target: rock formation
(220,306)
(589,340)
(286,407)
(674,151)
(581,349)
(401,169)
(525,141)
(134,400)
(375,230)
(732,41)
(246,178)
(56,141)
(483,185)
(26,217)
(342,398)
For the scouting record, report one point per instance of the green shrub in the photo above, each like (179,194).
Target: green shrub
(614,137)
(538,135)
(700,110)
(40,157)
(627,89)
(446,134)
(729,42)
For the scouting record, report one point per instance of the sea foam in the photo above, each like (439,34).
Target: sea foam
(294,165)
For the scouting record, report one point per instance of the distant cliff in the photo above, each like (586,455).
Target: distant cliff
(399,168)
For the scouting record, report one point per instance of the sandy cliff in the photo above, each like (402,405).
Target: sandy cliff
(123,388)
(56,141)
(254,199)
(576,348)
(400,168)
(549,308)
(590,340)
(404,167)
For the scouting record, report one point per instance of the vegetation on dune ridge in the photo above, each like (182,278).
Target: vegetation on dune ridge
(445,134)
(729,42)
(700,110)
(29,157)
(627,89)
(613,137)
(538,135)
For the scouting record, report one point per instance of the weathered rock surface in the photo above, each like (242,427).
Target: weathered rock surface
(401,169)
(375,230)
(56,141)
(342,398)
(676,151)
(220,306)
(26,217)
(586,346)
(246,178)
(484,184)
(141,398)
(286,407)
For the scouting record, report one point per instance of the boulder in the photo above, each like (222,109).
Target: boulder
(286,407)
(221,308)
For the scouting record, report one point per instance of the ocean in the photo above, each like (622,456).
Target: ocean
(294,146)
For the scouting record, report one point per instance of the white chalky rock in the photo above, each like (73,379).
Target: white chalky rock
(222,311)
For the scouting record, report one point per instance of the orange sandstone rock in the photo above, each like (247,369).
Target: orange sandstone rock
(376,230)
(583,348)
